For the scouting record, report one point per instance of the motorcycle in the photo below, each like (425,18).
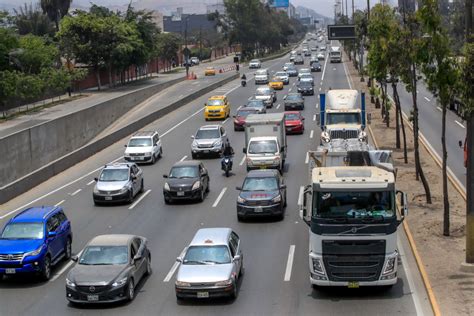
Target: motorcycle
(226,165)
(244,83)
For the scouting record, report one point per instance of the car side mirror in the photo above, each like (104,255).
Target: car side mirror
(165,176)
(283,186)
(460,143)
(238,188)
(125,145)
(236,258)
(244,150)
(52,234)
(75,258)
(95,179)
(403,204)
(179,259)
(192,136)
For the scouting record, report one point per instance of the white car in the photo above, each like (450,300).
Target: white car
(287,65)
(262,76)
(143,147)
(255,63)
(321,56)
(283,76)
(322,48)
(303,71)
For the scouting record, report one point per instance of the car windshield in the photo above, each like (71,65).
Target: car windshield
(294,97)
(114,175)
(245,113)
(139,142)
(260,184)
(104,255)
(215,102)
(184,172)
(255,104)
(343,118)
(262,92)
(23,231)
(304,84)
(353,204)
(255,61)
(306,76)
(263,147)
(281,74)
(207,255)
(304,71)
(261,73)
(207,134)
(291,116)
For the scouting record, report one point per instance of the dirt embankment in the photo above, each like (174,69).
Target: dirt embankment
(442,256)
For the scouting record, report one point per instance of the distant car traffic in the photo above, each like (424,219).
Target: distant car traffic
(292,71)
(294,122)
(294,101)
(34,240)
(242,113)
(321,56)
(299,60)
(262,76)
(211,265)
(109,269)
(187,180)
(315,66)
(210,71)
(305,88)
(255,63)
(307,78)
(263,193)
(257,104)
(287,65)
(208,140)
(194,61)
(283,76)
(303,71)
(144,146)
(118,182)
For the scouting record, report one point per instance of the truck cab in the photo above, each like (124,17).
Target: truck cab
(335,54)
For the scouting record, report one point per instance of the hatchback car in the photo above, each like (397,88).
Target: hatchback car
(144,146)
(263,193)
(299,60)
(211,265)
(239,118)
(208,140)
(262,76)
(255,63)
(187,180)
(118,182)
(217,107)
(257,104)
(34,240)
(294,101)
(276,83)
(315,66)
(283,77)
(108,269)
(294,122)
(305,88)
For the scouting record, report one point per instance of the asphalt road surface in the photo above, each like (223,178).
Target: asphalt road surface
(169,228)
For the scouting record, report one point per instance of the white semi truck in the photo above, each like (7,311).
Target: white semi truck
(335,54)
(341,117)
(265,141)
(350,206)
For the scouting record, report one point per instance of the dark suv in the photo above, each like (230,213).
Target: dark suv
(34,240)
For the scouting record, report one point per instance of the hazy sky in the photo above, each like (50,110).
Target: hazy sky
(326,7)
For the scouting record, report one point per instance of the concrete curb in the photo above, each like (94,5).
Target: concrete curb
(42,174)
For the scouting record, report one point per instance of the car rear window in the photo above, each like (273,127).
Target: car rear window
(292,116)
(184,172)
(260,184)
(215,102)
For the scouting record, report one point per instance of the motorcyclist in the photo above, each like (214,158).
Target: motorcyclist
(227,153)
(244,80)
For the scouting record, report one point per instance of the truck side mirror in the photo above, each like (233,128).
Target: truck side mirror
(302,205)
(460,143)
(403,204)
(244,150)
(369,118)
(318,117)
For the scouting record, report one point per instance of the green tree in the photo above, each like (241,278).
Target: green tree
(167,46)
(55,9)
(8,42)
(33,54)
(30,20)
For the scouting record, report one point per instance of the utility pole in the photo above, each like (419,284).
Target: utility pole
(186,55)
(200,43)
(368,10)
(347,15)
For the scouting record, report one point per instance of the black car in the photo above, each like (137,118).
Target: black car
(305,88)
(108,269)
(294,101)
(292,72)
(315,66)
(263,193)
(187,180)
(299,60)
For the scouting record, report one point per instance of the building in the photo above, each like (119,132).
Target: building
(219,7)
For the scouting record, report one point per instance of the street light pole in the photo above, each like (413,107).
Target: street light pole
(186,55)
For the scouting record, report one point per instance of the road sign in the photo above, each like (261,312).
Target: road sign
(279,3)
(341,32)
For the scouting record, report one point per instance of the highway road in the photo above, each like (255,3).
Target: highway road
(275,282)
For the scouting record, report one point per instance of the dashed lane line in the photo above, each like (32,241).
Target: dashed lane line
(90,182)
(173,268)
(139,199)
(289,263)
(314,116)
(306,160)
(219,197)
(184,158)
(75,192)
(460,124)
(311,134)
(59,203)
(278,106)
(242,161)
(427,99)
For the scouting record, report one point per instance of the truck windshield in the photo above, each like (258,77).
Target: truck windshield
(263,147)
(353,204)
(343,118)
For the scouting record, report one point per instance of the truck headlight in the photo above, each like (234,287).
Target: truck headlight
(362,136)
(276,199)
(70,283)
(317,266)
(166,186)
(390,266)
(240,199)
(196,185)
(325,137)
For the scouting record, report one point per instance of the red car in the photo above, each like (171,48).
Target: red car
(294,122)
(239,118)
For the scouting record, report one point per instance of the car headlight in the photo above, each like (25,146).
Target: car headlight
(217,143)
(166,186)
(34,252)
(224,283)
(390,266)
(124,189)
(317,266)
(196,185)
(120,282)
(96,191)
(221,110)
(276,199)
(181,283)
(148,154)
(70,283)
(194,144)
(325,137)
(240,199)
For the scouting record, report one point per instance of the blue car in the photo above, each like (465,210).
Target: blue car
(35,240)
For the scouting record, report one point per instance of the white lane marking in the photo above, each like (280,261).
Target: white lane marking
(289,263)
(195,83)
(319,88)
(459,124)
(439,109)
(75,192)
(334,68)
(139,199)
(278,106)
(314,116)
(242,161)
(300,195)
(184,158)
(289,90)
(173,268)
(427,99)
(90,182)
(324,70)
(294,83)
(417,91)
(67,266)
(225,121)
(182,122)
(349,79)
(284,96)
(306,160)
(180,96)
(59,203)
(311,134)
(219,197)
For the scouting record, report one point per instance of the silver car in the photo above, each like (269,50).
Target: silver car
(283,76)
(209,140)
(211,265)
(265,94)
(255,63)
(119,182)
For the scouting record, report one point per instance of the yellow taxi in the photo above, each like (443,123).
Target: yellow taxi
(210,71)
(217,107)
(276,83)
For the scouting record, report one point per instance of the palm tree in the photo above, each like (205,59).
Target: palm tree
(55,9)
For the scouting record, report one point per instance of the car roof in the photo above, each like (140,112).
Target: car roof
(187,163)
(111,240)
(119,165)
(292,112)
(262,173)
(217,97)
(144,134)
(244,108)
(206,127)
(294,94)
(211,236)
(35,214)
(209,68)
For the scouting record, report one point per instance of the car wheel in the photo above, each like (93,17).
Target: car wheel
(153,159)
(201,196)
(235,290)
(285,201)
(161,152)
(46,271)
(240,218)
(142,187)
(149,270)
(168,201)
(67,250)
(207,188)
(130,197)
(130,290)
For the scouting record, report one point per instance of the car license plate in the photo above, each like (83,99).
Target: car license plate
(206,151)
(137,158)
(10,271)
(353,285)
(202,294)
(108,198)
(92,298)
(180,194)
(258,209)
